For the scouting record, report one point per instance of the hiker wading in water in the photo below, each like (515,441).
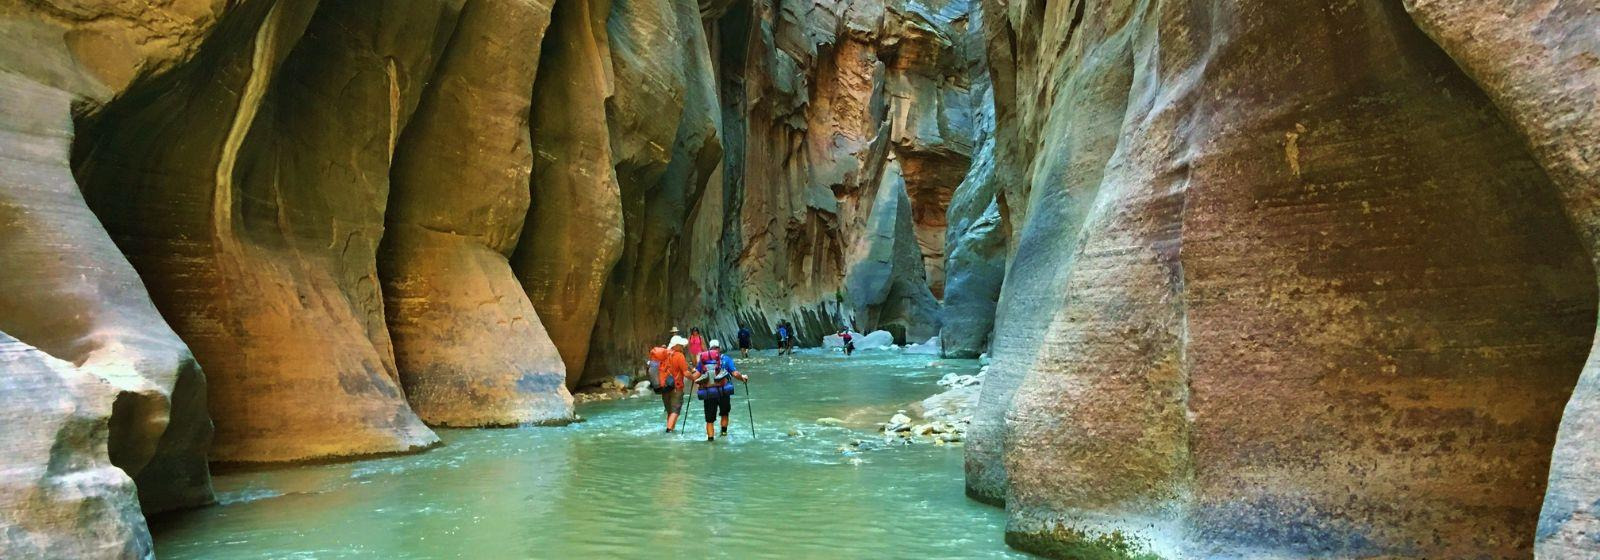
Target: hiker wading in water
(671,376)
(715,386)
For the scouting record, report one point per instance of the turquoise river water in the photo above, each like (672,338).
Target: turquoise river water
(615,486)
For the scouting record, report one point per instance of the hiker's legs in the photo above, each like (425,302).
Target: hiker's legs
(711,418)
(671,404)
(724,407)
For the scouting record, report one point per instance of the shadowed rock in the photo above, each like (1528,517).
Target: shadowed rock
(659,52)
(1541,67)
(248,188)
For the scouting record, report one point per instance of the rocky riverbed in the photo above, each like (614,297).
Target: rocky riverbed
(943,418)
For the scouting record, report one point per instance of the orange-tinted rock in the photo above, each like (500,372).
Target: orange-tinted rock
(1541,67)
(658,51)
(469,346)
(573,234)
(248,187)
(1319,300)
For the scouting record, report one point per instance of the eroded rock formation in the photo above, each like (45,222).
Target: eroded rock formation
(456,208)
(60,497)
(665,98)
(1260,278)
(1285,285)
(1541,67)
(573,234)
(248,187)
(820,98)
(92,372)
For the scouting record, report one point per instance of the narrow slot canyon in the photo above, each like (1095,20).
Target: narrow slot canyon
(1084,279)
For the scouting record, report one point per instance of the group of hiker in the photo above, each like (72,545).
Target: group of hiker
(711,374)
(693,362)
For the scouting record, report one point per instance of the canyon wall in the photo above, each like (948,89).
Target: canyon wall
(816,99)
(365,218)
(1287,282)
(1260,279)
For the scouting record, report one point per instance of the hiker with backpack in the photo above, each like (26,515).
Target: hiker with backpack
(670,376)
(714,386)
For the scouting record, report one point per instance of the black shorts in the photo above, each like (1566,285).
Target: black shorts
(744,344)
(722,405)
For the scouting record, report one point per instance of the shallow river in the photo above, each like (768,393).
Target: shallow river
(615,486)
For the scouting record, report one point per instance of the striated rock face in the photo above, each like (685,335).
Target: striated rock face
(248,188)
(1541,67)
(67,293)
(665,97)
(976,244)
(819,99)
(1284,286)
(456,209)
(573,234)
(886,281)
(60,497)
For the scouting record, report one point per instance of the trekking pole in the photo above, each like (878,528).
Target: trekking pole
(748,409)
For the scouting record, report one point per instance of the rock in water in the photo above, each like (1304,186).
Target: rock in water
(60,497)
(932,347)
(248,188)
(573,234)
(469,346)
(1252,238)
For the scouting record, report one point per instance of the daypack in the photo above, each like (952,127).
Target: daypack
(716,381)
(659,382)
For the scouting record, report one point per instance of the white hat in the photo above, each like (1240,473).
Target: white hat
(674,329)
(716,343)
(677,341)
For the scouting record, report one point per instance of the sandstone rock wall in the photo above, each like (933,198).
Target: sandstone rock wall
(821,96)
(1541,67)
(663,121)
(248,187)
(80,330)
(60,496)
(573,234)
(1284,285)
(456,209)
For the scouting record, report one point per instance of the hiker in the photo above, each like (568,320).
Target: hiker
(715,387)
(672,376)
(697,344)
(744,341)
(783,337)
(849,346)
